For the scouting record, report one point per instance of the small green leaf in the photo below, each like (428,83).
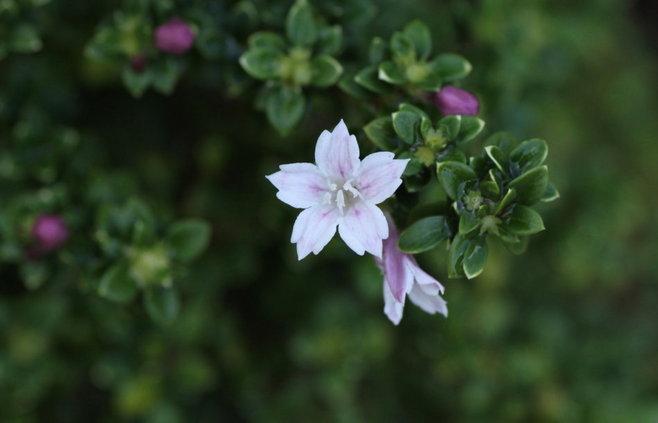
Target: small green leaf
(25,39)
(188,238)
(402,49)
(524,221)
(451,67)
(458,247)
(452,174)
(117,285)
(377,50)
(475,258)
(330,40)
(391,73)
(368,78)
(503,140)
(490,189)
(162,304)
(300,24)
(267,40)
(406,107)
(496,155)
(420,37)
(506,201)
(136,82)
(380,131)
(262,62)
(424,235)
(530,154)
(450,126)
(471,126)
(406,125)
(518,246)
(551,193)
(468,222)
(530,186)
(166,75)
(285,108)
(326,71)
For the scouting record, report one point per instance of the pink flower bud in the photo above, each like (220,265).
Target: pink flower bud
(49,232)
(174,36)
(455,101)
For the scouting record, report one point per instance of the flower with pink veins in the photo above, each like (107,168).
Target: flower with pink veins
(402,277)
(339,191)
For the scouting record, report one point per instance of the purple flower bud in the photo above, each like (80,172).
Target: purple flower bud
(49,232)
(174,36)
(455,101)
(138,63)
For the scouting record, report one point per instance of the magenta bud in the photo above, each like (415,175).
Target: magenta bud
(174,36)
(455,101)
(49,232)
(138,63)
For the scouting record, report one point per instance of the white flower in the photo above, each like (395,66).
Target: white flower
(402,277)
(339,191)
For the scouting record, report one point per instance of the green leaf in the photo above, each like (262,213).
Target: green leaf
(380,131)
(402,49)
(530,186)
(188,238)
(406,125)
(136,82)
(162,304)
(503,140)
(330,40)
(267,40)
(471,126)
(406,107)
(506,201)
(524,221)
(284,107)
(517,247)
(452,174)
(325,70)
(450,126)
(117,285)
(468,222)
(496,155)
(166,75)
(424,235)
(458,247)
(300,24)
(377,50)
(475,257)
(530,154)
(25,39)
(368,78)
(420,37)
(391,73)
(551,193)
(451,67)
(262,62)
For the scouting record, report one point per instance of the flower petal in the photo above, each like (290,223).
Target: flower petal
(314,228)
(392,308)
(337,153)
(428,303)
(363,229)
(300,185)
(394,264)
(426,282)
(379,176)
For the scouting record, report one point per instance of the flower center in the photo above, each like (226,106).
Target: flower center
(342,196)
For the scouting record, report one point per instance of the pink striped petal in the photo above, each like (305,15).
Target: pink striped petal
(379,176)
(428,303)
(363,227)
(337,153)
(392,308)
(314,228)
(300,185)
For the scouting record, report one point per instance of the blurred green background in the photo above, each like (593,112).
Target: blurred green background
(566,332)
